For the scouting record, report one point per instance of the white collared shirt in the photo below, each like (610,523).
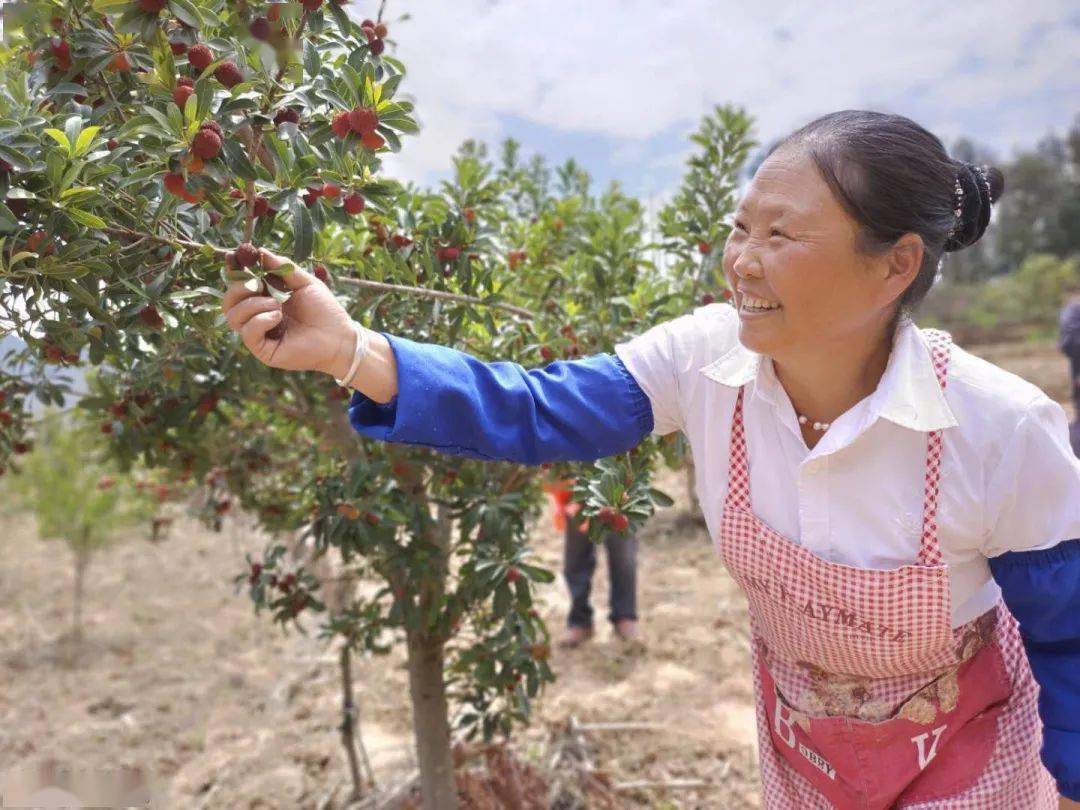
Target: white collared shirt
(1009,479)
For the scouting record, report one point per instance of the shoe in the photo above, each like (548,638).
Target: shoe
(628,631)
(575,636)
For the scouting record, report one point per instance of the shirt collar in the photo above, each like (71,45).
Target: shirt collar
(907,394)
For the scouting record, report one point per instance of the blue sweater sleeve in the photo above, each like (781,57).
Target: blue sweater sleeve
(1042,590)
(578,410)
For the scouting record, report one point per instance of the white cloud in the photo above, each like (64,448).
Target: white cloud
(631,70)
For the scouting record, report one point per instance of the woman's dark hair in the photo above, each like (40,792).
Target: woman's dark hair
(894,177)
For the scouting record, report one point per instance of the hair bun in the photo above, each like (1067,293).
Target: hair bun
(981,187)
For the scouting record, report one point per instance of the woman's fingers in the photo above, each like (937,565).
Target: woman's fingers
(253,333)
(238,316)
(234,294)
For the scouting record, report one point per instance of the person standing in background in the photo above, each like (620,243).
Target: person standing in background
(1069,343)
(579,565)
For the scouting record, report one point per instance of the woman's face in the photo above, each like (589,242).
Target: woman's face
(793,246)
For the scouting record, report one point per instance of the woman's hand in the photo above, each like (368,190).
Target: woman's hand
(317,333)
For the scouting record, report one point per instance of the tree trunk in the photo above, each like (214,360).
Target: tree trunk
(427,689)
(431,726)
(82,560)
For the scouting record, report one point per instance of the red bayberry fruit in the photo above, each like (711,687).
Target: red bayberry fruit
(260,29)
(547,353)
(377,46)
(119,409)
(105,482)
(215,217)
(120,62)
(174,184)
(707,299)
(246,255)
(331,190)
(703,247)
(181,94)
(512,575)
(312,5)
(262,206)
(185,81)
(469,215)
(372,140)
(142,399)
(106,428)
(152,6)
(286,116)
(61,51)
(340,125)
(20,447)
(400,240)
(605,514)
(214,127)
(363,119)
(178,48)
(207,403)
(348,511)
(200,56)
(228,74)
(206,144)
(151,317)
(619,522)
(319,271)
(311,196)
(380,30)
(353,204)
(112,143)
(57,23)
(368,24)
(451,254)
(236,194)
(256,569)
(371,518)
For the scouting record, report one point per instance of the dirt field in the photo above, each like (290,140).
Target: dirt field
(178,676)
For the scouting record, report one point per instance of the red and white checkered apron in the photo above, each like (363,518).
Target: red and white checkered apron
(866,696)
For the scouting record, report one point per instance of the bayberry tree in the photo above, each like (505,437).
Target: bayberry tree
(143,143)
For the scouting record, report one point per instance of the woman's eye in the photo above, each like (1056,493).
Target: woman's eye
(739,226)
(778,233)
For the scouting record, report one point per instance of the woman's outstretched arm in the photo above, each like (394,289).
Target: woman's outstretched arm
(420,393)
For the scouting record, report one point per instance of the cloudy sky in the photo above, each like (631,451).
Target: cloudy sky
(619,84)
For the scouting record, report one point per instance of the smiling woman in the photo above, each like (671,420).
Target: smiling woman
(903,517)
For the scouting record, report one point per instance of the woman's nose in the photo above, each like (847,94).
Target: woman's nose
(746,263)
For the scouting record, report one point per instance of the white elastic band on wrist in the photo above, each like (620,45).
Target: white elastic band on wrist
(361,351)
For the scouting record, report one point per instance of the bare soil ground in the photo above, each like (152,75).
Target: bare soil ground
(178,676)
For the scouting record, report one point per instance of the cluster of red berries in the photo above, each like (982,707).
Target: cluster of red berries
(616,520)
(207,141)
(375,32)
(360,121)
(352,203)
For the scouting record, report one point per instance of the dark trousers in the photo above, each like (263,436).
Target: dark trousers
(579,563)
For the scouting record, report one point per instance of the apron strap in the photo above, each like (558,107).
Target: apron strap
(929,550)
(738,494)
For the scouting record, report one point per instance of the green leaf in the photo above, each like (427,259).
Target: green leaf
(76,190)
(186,13)
(17,159)
(60,138)
(107,5)
(86,138)
(312,63)
(82,294)
(303,232)
(660,498)
(8,223)
(85,218)
(237,160)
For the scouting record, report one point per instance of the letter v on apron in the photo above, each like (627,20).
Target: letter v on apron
(866,696)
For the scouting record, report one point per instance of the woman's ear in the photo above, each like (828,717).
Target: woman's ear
(904,262)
